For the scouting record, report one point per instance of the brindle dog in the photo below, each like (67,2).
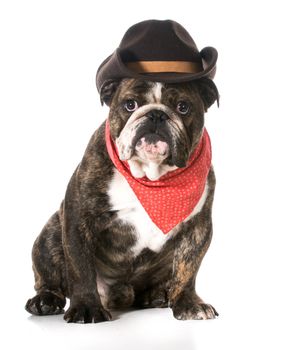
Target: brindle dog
(86,252)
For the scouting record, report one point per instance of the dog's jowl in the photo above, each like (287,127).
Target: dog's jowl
(135,222)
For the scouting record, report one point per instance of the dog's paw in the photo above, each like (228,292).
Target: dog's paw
(193,310)
(45,303)
(154,297)
(84,313)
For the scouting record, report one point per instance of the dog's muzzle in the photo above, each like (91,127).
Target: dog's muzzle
(151,139)
(153,132)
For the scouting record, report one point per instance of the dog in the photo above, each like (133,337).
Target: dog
(135,222)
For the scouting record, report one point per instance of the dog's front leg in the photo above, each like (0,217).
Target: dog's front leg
(190,248)
(189,252)
(85,303)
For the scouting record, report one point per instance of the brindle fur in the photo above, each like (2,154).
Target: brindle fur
(84,239)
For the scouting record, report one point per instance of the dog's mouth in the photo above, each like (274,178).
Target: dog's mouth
(152,146)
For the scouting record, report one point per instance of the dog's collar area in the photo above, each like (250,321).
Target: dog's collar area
(171,199)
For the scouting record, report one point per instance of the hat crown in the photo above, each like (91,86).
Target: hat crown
(156,40)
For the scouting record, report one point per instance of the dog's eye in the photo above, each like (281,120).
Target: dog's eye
(131,105)
(182,107)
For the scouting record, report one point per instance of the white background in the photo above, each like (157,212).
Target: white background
(50,51)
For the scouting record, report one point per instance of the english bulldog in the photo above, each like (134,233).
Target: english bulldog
(135,222)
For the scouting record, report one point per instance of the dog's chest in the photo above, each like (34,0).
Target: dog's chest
(130,212)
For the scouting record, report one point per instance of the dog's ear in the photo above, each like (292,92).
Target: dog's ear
(208,92)
(107,91)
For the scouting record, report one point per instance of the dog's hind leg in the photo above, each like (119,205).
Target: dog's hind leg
(49,271)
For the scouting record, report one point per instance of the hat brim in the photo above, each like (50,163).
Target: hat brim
(113,68)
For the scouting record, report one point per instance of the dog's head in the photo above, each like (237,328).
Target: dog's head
(156,126)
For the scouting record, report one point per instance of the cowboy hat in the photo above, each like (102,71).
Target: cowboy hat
(158,51)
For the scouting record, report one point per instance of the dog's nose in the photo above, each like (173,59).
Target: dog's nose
(157,115)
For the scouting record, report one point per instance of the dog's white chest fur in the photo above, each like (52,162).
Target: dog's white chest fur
(130,211)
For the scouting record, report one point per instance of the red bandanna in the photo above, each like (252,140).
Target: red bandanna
(171,199)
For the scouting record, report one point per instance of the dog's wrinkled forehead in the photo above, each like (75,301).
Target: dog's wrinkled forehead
(155,92)
(147,91)
(202,91)
(158,94)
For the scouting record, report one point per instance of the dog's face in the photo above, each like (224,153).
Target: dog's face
(156,126)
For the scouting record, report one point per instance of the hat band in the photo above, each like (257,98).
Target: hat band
(165,66)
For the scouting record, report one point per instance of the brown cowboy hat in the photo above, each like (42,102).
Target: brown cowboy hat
(158,51)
